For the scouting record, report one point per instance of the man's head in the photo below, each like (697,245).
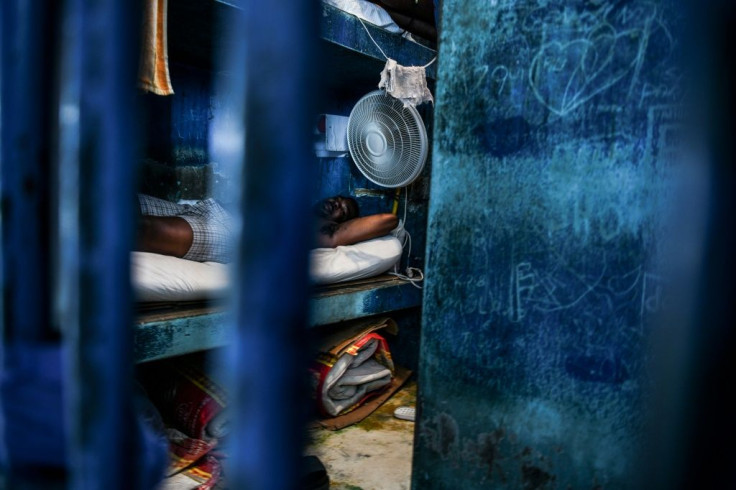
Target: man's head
(337,208)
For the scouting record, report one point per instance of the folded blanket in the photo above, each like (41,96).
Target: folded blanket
(193,464)
(354,370)
(193,408)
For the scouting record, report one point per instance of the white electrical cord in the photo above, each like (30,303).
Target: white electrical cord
(413,274)
(379,47)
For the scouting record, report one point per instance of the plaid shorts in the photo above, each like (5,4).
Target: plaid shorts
(211,225)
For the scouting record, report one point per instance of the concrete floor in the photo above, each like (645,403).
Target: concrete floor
(374,454)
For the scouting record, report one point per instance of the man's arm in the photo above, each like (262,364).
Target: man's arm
(358,230)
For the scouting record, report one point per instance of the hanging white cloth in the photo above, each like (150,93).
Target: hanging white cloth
(406,83)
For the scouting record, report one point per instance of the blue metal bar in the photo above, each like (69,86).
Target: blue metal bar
(31,429)
(27,69)
(274,70)
(97,94)
(3,448)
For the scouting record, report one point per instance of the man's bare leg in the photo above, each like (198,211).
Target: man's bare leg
(166,235)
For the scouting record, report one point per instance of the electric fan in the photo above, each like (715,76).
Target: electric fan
(387,141)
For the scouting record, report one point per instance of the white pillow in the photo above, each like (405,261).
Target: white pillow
(348,262)
(164,278)
(369,12)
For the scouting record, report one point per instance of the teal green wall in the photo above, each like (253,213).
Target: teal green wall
(554,130)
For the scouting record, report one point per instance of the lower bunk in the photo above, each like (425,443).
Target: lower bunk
(360,375)
(165,329)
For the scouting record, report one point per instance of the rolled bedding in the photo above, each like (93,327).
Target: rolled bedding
(352,372)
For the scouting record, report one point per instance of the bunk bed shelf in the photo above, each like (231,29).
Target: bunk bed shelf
(344,30)
(177,329)
(344,36)
(381,295)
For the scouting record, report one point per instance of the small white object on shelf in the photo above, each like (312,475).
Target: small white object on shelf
(331,136)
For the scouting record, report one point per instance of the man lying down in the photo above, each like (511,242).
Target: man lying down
(202,232)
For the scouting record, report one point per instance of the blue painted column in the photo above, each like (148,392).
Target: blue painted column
(26,128)
(98,167)
(270,71)
(30,361)
(556,149)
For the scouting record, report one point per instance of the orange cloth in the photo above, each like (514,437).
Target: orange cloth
(153,69)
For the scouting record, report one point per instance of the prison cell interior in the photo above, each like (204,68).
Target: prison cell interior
(160,146)
(524,383)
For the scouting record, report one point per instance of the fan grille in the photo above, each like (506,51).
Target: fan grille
(387,141)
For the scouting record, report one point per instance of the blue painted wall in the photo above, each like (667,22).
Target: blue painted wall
(554,129)
(176,136)
(177,124)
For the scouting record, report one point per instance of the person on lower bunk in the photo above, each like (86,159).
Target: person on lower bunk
(339,223)
(202,232)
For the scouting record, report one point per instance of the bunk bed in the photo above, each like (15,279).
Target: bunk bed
(163,330)
(172,329)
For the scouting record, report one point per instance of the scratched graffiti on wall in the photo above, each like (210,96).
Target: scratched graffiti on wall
(556,60)
(559,251)
(556,128)
(605,47)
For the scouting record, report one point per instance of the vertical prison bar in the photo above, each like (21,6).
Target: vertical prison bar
(68,165)
(270,299)
(100,56)
(27,40)
(28,353)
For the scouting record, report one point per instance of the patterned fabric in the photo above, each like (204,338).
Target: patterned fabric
(193,406)
(211,225)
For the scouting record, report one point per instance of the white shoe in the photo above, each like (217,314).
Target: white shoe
(405,413)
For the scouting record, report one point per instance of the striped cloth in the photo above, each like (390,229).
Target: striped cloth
(211,225)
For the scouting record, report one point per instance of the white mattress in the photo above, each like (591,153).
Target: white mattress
(370,12)
(164,278)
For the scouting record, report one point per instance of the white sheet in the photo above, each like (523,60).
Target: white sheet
(165,278)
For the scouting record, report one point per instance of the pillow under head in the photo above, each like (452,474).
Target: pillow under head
(358,261)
